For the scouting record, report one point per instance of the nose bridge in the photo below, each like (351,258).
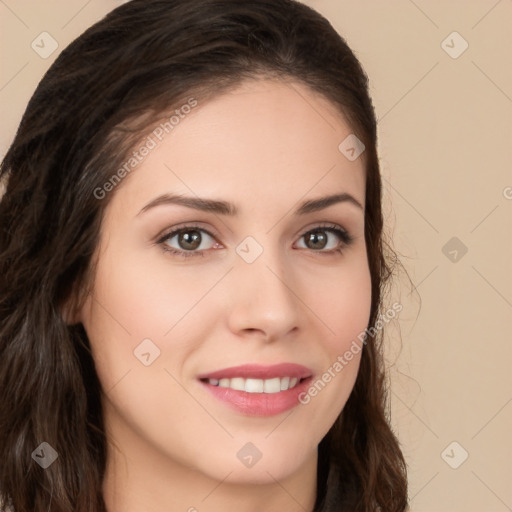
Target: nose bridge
(263,298)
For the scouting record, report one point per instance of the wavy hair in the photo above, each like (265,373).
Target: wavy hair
(106,90)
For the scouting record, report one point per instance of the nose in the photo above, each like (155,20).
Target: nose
(264,299)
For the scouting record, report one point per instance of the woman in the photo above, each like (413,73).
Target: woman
(192,270)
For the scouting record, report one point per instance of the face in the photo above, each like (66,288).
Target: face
(261,290)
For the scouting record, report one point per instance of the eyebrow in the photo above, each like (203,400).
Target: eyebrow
(226,208)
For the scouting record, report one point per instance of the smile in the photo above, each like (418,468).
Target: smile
(274,385)
(258,390)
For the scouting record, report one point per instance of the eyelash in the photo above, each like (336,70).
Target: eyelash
(345,237)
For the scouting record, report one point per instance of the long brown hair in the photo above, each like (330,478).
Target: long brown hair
(105,90)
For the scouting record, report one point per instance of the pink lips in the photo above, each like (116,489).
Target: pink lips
(257,371)
(259,404)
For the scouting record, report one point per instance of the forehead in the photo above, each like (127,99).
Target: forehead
(263,142)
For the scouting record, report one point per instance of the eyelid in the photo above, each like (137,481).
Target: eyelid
(174,231)
(167,232)
(324,225)
(343,234)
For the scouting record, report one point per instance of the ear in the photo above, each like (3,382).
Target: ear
(70,315)
(71,309)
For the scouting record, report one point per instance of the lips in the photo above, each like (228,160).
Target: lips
(262,397)
(256,371)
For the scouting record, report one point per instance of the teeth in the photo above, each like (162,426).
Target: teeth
(237,383)
(274,385)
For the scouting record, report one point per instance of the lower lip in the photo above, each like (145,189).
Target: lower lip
(259,404)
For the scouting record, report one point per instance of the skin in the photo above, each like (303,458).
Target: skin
(265,146)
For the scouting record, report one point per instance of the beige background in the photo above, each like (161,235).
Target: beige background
(445,127)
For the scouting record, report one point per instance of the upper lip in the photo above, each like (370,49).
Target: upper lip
(258,371)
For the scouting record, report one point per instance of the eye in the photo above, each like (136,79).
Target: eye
(322,239)
(193,240)
(189,240)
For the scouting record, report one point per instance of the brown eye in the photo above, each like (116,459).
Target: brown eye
(316,240)
(188,241)
(326,239)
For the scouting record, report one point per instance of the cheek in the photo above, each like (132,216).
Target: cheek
(343,305)
(147,297)
(136,299)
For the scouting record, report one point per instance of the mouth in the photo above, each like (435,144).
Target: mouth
(257,390)
(275,385)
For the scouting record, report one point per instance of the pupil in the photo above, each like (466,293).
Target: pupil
(318,239)
(188,241)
